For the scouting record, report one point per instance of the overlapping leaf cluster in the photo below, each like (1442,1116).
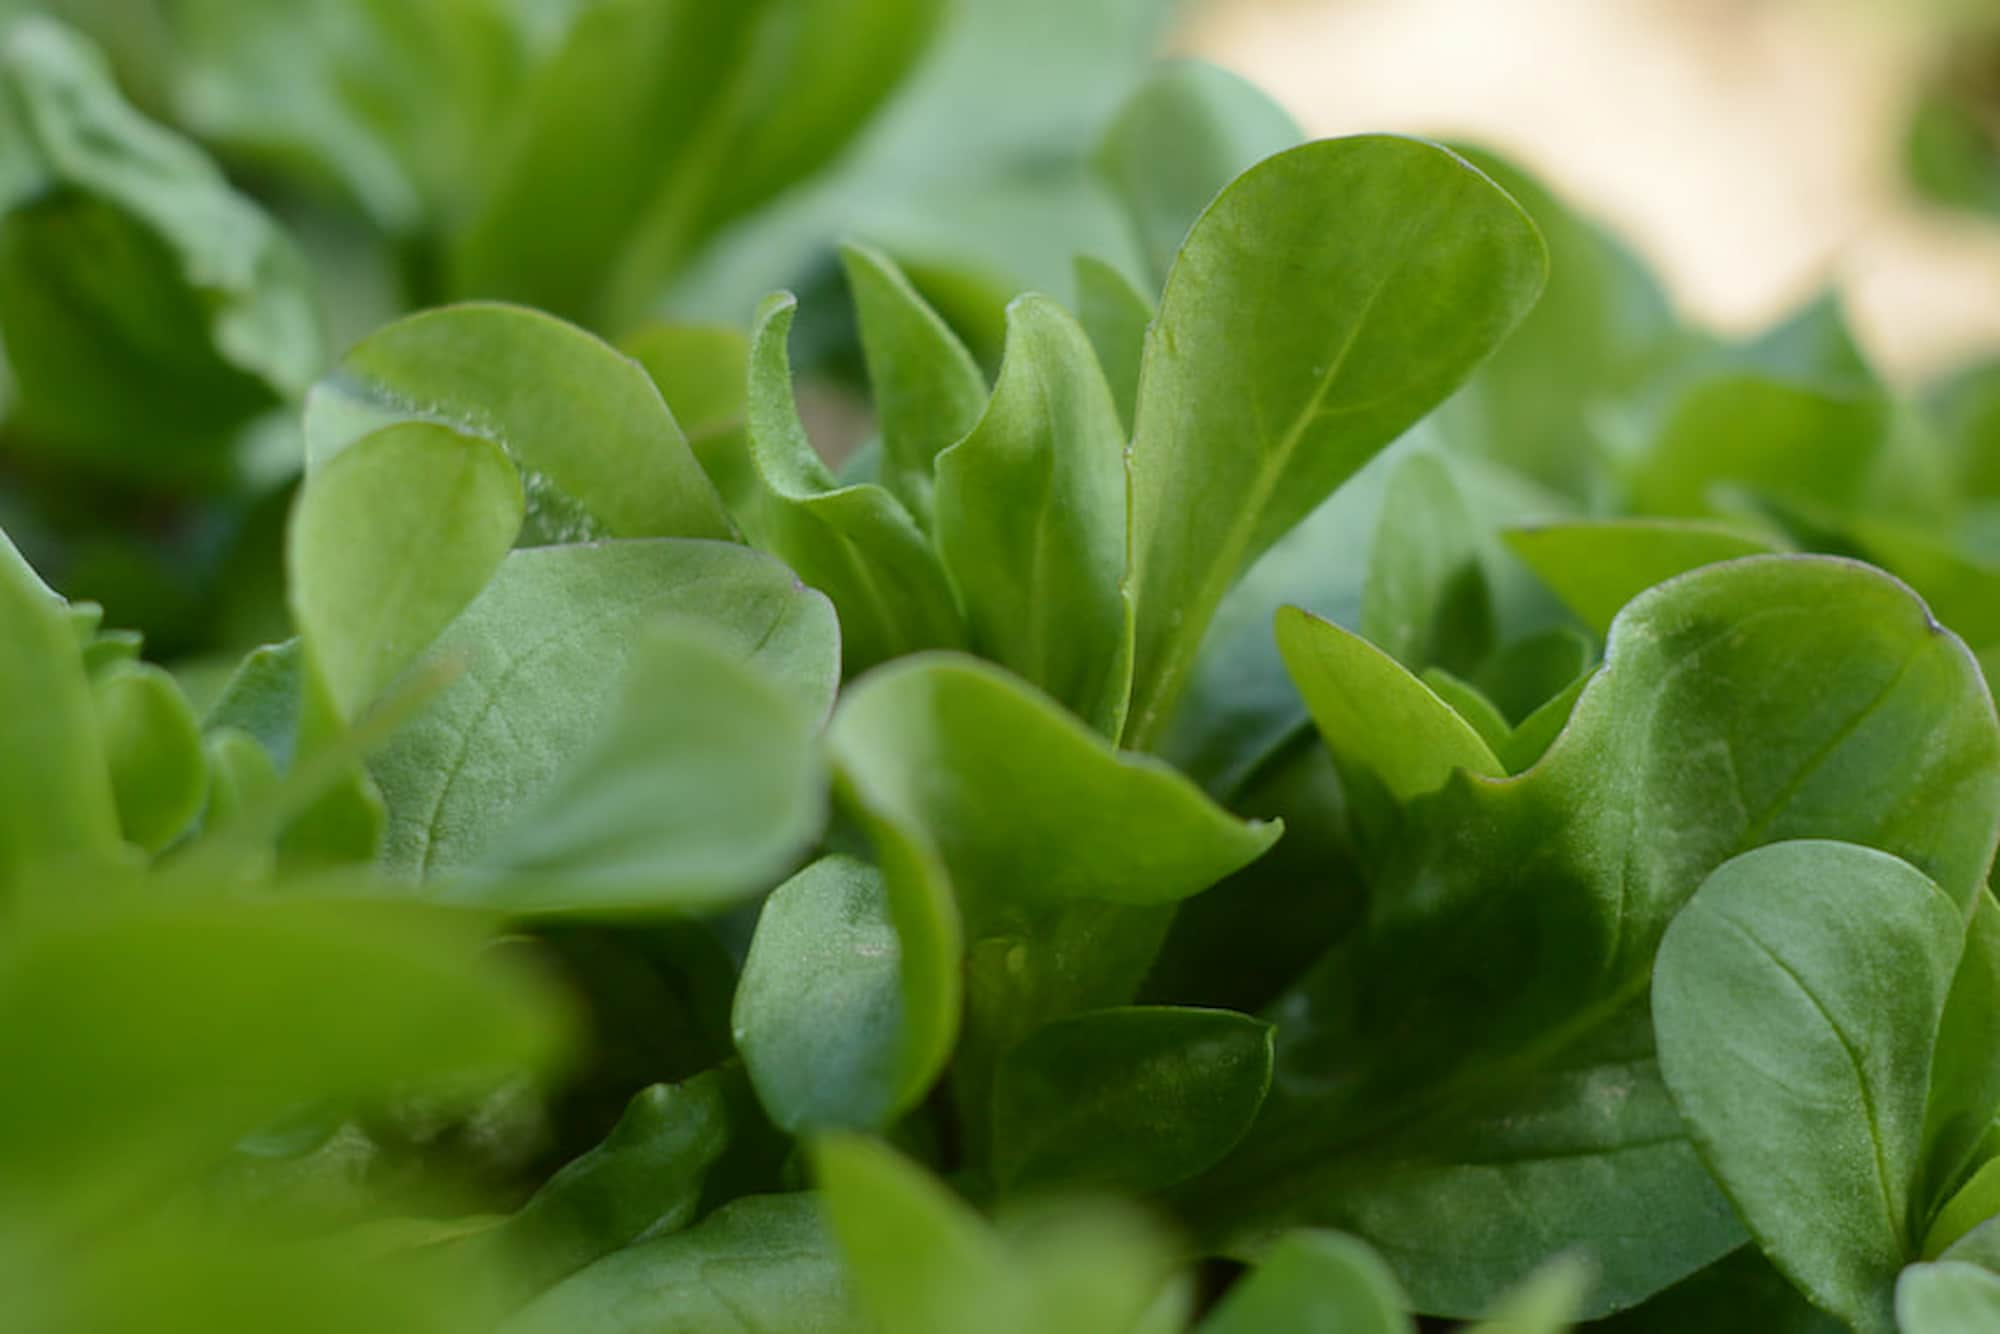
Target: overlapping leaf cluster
(1346,766)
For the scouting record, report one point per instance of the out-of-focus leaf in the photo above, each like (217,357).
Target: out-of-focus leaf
(1315,1283)
(1115,314)
(152,746)
(1598,566)
(1947,1297)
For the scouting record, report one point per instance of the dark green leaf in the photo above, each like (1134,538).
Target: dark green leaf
(1128,1099)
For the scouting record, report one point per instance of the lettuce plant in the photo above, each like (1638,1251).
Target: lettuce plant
(1358,773)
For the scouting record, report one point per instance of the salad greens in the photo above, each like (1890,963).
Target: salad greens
(1327,764)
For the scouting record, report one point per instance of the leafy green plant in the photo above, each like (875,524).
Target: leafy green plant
(1354,772)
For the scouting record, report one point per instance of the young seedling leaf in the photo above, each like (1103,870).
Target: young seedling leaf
(1031,520)
(1323,303)
(1315,1283)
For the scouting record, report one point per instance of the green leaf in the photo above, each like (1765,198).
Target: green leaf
(152,746)
(543,654)
(599,454)
(1965,1071)
(672,119)
(761,1263)
(1322,304)
(832,1021)
(1796,998)
(1975,1202)
(946,744)
(1426,601)
(1314,1283)
(921,1260)
(1177,141)
(927,389)
(145,298)
(1545,1303)
(1597,566)
(857,544)
(1031,520)
(644,1181)
(703,373)
(57,802)
(704,787)
(389,541)
(1115,313)
(1375,717)
(161,1033)
(1947,1297)
(1746,433)
(1127,1099)
(1468,1081)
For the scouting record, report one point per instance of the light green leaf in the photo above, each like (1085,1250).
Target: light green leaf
(57,802)
(542,657)
(927,390)
(1375,717)
(1974,1203)
(857,544)
(389,541)
(831,1018)
(759,1264)
(1115,313)
(946,744)
(161,1033)
(598,452)
(1545,1303)
(1597,566)
(703,372)
(1947,1298)
(1796,998)
(1031,520)
(644,1181)
(1314,1283)
(1128,1099)
(1180,137)
(920,1258)
(704,787)
(152,746)
(1322,304)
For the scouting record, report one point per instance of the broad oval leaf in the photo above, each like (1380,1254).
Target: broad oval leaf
(1127,1099)
(1031,520)
(831,1017)
(949,745)
(598,451)
(1314,1282)
(753,1265)
(389,540)
(541,657)
(1323,303)
(857,544)
(1796,999)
